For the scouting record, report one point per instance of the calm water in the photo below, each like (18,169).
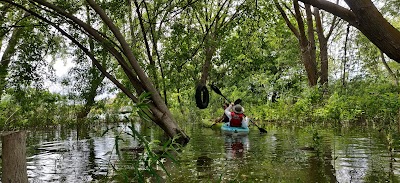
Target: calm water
(282,155)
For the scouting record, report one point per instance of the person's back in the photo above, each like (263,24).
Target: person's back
(236,117)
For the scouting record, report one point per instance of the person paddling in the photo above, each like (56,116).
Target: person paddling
(223,118)
(236,116)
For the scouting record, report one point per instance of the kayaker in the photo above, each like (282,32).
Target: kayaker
(236,116)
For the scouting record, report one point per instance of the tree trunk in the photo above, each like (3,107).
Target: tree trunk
(306,47)
(14,157)
(96,79)
(311,37)
(89,97)
(323,48)
(6,58)
(209,50)
(304,44)
(345,57)
(152,66)
(181,107)
(366,18)
(391,73)
(398,120)
(167,123)
(124,56)
(160,111)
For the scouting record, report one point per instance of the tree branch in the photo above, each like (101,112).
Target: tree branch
(83,48)
(335,9)
(285,17)
(96,35)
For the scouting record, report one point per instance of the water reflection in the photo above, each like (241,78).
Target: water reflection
(366,160)
(204,167)
(67,158)
(236,145)
(282,155)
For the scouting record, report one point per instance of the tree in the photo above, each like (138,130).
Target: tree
(10,50)
(214,24)
(23,61)
(364,16)
(117,46)
(307,40)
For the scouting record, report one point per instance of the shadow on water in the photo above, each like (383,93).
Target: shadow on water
(282,155)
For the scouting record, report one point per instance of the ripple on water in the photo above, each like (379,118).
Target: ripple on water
(279,156)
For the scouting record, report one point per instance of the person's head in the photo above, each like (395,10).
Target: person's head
(238,109)
(225,105)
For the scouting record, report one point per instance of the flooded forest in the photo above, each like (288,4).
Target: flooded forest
(200,91)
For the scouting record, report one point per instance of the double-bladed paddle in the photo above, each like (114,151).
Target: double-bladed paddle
(216,90)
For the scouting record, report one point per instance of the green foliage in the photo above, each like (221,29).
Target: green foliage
(360,101)
(33,108)
(145,163)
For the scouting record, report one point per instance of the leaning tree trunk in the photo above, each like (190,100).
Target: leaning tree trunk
(391,73)
(14,157)
(124,56)
(160,110)
(168,124)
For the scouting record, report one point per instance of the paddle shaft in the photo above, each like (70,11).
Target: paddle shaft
(259,128)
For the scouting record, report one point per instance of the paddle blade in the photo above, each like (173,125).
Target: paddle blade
(237,101)
(262,130)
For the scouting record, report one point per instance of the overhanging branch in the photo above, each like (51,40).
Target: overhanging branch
(335,9)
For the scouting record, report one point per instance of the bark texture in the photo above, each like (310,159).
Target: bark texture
(14,157)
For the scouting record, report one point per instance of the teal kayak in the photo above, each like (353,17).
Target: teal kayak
(229,129)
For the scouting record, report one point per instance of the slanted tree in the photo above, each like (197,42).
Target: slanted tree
(116,45)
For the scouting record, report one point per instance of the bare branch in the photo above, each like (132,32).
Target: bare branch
(288,23)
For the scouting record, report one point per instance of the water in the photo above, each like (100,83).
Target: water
(281,155)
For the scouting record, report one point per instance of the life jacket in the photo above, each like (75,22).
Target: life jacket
(236,119)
